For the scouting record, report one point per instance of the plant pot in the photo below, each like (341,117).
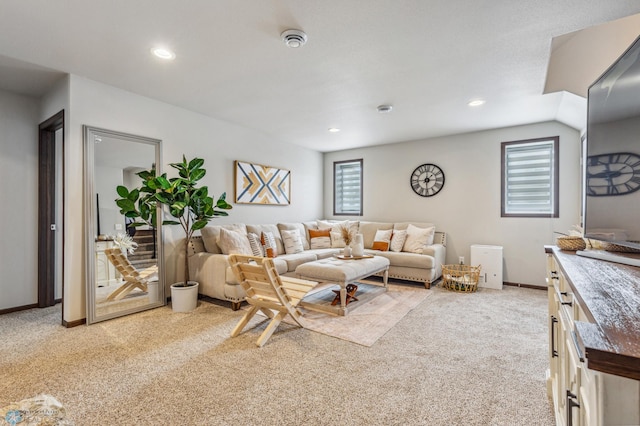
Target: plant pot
(184,298)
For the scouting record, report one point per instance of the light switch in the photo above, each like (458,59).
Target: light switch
(118,227)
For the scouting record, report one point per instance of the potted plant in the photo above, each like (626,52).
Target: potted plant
(188,203)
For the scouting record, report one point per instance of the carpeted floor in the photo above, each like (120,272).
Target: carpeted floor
(455,359)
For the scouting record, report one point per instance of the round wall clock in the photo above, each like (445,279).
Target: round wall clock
(613,174)
(427,180)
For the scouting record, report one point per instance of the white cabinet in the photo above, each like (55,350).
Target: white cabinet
(490,257)
(580,395)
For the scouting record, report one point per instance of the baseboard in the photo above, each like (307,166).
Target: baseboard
(534,287)
(17,308)
(70,324)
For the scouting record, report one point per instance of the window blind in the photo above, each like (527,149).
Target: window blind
(348,187)
(529,178)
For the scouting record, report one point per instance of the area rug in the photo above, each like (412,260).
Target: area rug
(367,322)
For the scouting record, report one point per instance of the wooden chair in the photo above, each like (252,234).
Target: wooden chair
(268,292)
(131,276)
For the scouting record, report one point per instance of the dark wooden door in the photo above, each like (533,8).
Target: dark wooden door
(47,208)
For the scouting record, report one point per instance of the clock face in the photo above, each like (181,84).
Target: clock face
(613,174)
(427,180)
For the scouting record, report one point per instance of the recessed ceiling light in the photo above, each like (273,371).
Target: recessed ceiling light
(163,53)
(334,129)
(476,102)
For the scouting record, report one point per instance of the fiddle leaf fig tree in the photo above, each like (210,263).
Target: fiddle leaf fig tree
(140,204)
(188,203)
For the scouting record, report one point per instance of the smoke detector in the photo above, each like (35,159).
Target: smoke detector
(294,38)
(384,109)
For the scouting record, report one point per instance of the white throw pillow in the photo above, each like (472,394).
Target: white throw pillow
(418,238)
(269,245)
(292,241)
(323,224)
(397,240)
(382,240)
(256,245)
(336,239)
(233,242)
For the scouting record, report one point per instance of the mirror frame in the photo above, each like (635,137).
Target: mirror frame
(90,226)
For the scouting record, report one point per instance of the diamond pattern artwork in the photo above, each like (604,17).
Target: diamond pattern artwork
(258,184)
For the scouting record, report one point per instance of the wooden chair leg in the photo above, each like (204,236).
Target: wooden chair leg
(275,322)
(244,321)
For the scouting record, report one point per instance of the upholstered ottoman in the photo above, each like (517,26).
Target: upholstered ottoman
(343,272)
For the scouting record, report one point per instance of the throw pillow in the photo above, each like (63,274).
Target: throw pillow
(320,238)
(256,244)
(418,238)
(397,240)
(382,240)
(292,241)
(336,240)
(323,224)
(269,243)
(233,242)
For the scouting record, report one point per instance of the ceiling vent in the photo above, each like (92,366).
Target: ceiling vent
(294,38)
(385,109)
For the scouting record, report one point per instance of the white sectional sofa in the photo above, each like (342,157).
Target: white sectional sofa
(208,264)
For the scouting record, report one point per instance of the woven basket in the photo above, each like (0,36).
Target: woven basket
(571,243)
(619,248)
(462,278)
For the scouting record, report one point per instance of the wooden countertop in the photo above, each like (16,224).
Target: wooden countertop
(609,294)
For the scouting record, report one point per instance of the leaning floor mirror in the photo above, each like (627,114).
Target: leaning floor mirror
(124,264)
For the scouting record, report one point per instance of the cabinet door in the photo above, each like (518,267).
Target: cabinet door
(589,399)
(573,377)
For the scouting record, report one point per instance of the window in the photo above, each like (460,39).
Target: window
(347,187)
(530,178)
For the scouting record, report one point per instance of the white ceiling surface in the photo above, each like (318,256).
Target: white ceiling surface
(427,58)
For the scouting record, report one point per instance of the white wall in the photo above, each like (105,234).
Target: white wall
(18,210)
(468,207)
(182,132)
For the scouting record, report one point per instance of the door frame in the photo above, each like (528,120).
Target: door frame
(47,209)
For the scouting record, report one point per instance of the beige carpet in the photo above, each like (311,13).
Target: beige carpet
(368,319)
(455,359)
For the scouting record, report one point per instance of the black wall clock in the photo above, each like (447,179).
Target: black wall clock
(613,174)
(427,180)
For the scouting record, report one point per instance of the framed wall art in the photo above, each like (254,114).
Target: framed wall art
(258,184)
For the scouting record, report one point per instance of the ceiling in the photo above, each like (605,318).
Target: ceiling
(427,58)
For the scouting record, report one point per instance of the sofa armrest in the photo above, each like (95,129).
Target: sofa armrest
(210,270)
(439,254)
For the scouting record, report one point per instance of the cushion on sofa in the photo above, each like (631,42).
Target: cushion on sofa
(233,242)
(268,241)
(210,235)
(293,260)
(256,244)
(397,240)
(319,238)
(300,227)
(369,229)
(292,241)
(382,239)
(410,260)
(418,238)
(259,229)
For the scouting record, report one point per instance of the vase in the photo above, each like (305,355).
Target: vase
(347,251)
(357,246)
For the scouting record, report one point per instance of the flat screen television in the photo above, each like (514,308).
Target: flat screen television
(612,163)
